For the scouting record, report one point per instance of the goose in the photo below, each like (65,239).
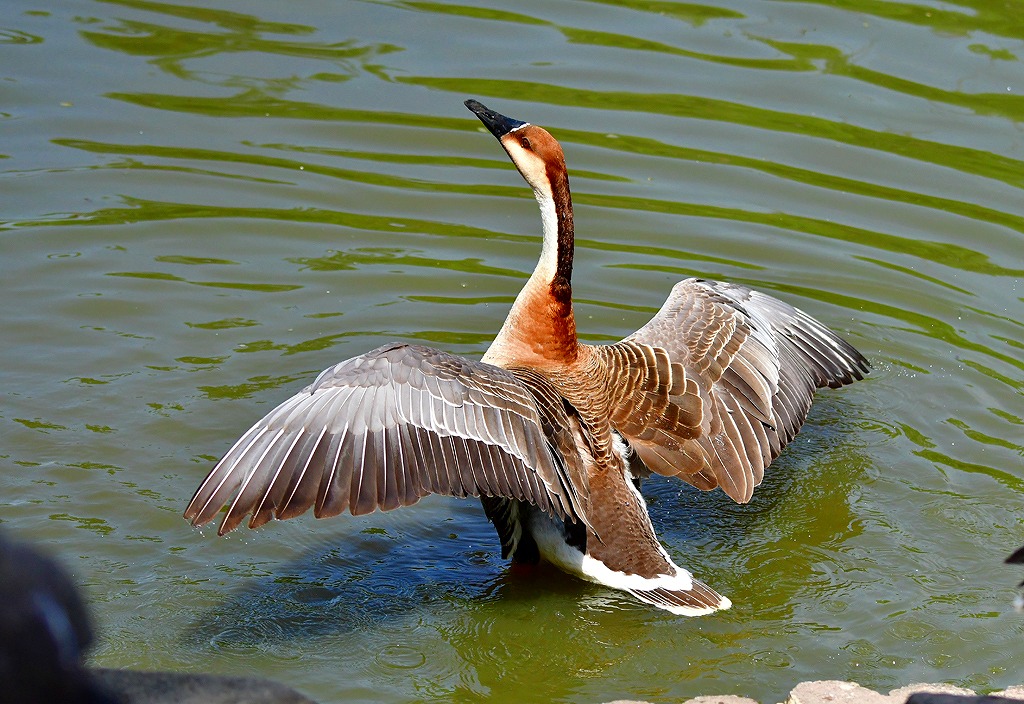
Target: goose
(552,435)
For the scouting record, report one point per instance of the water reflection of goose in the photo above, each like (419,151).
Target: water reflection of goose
(551,434)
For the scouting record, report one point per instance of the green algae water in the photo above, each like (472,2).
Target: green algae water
(202,205)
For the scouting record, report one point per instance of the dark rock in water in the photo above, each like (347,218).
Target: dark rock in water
(45,631)
(134,687)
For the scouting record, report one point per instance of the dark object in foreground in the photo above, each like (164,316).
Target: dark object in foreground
(45,631)
(181,688)
(929,698)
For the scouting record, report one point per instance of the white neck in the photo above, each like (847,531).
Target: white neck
(548,262)
(539,281)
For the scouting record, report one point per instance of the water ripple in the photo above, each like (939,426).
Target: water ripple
(205,207)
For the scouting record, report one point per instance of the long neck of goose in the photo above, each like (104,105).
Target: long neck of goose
(540,329)
(554,269)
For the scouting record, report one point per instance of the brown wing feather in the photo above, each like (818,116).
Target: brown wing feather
(388,427)
(726,379)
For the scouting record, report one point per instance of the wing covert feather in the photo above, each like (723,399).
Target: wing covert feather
(750,363)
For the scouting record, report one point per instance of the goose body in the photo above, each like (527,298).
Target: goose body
(551,434)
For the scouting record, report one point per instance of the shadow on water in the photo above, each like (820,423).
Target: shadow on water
(357,580)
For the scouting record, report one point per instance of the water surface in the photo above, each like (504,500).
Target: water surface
(205,204)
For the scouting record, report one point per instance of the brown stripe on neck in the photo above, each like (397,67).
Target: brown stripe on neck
(561,283)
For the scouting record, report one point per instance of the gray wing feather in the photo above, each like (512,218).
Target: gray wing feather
(386,428)
(756,363)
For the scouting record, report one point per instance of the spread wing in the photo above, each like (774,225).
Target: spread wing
(386,428)
(720,380)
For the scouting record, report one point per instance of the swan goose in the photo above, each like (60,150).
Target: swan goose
(551,434)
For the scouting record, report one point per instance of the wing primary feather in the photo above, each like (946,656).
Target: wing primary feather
(747,441)
(363,496)
(221,481)
(539,495)
(433,459)
(264,507)
(243,501)
(507,465)
(450,451)
(395,481)
(344,456)
(459,478)
(485,470)
(291,506)
(237,474)
(450,461)
(412,466)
